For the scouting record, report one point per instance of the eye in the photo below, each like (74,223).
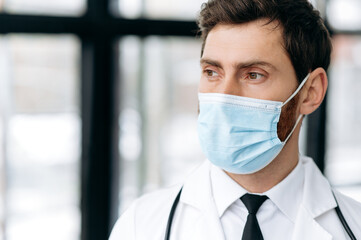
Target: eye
(255,76)
(210,73)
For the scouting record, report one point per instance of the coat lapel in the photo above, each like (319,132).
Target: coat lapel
(306,227)
(317,200)
(197,192)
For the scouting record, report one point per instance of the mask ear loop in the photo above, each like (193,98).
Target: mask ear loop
(292,96)
(297,90)
(293,129)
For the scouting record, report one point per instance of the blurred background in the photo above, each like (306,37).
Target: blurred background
(98,105)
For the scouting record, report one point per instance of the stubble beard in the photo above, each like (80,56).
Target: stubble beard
(288,119)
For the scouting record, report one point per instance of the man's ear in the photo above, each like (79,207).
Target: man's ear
(314,91)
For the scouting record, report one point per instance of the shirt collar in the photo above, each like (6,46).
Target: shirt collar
(286,195)
(225,190)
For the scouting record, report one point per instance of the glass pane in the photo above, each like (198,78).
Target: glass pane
(320,5)
(40,112)
(343,157)
(158,121)
(170,9)
(344,14)
(46,7)
(2,150)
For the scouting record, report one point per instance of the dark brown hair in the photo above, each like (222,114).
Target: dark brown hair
(306,39)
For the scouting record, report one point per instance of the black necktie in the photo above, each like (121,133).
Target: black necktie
(251,229)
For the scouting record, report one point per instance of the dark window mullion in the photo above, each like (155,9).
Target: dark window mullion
(98,9)
(100,157)
(316,135)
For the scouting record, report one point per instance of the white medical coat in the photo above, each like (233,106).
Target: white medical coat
(196,217)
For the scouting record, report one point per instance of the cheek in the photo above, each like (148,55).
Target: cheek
(284,89)
(208,86)
(203,86)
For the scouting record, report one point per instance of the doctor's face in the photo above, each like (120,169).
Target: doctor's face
(249,60)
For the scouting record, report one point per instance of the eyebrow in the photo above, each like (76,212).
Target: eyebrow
(239,65)
(215,63)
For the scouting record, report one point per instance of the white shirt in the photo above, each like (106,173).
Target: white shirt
(279,210)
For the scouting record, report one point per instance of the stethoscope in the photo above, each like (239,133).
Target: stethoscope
(176,201)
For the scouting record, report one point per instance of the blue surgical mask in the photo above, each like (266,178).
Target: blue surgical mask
(239,134)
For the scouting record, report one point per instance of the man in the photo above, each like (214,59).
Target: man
(264,67)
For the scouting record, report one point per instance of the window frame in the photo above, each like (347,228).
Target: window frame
(98,31)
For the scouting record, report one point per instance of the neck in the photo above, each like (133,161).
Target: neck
(272,174)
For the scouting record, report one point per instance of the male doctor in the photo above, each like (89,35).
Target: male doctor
(264,68)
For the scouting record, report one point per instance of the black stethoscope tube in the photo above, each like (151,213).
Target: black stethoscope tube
(171,215)
(343,220)
(175,203)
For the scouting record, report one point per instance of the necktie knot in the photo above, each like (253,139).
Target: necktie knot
(253,202)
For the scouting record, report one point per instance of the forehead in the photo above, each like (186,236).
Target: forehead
(256,40)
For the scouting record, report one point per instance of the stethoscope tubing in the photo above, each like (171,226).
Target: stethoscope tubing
(343,220)
(171,215)
(176,201)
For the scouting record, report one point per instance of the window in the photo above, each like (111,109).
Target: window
(41,131)
(344,14)
(59,119)
(35,7)
(343,164)
(158,117)
(159,9)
